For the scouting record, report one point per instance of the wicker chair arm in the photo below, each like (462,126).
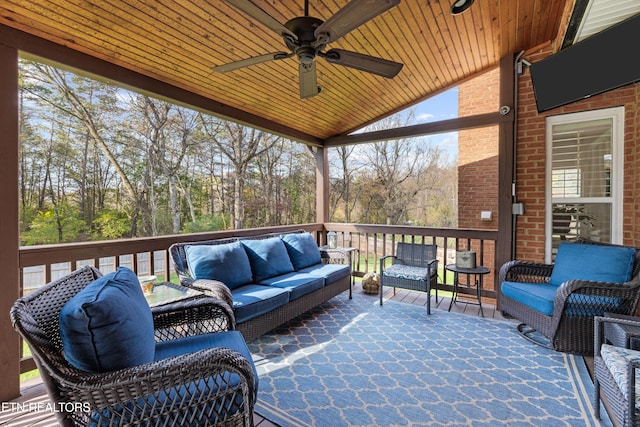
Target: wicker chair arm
(599,322)
(596,288)
(615,297)
(112,388)
(192,317)
(524,271)
(384,259)
(334,256)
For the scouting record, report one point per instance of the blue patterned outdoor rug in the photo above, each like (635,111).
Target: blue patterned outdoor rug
(354,363)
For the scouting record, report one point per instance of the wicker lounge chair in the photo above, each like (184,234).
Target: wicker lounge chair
(414,267)
(220,382)
(566,319)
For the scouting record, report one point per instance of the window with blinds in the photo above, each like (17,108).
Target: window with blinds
(583,158)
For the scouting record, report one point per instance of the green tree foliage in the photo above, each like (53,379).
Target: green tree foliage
(110,224)
(55,225)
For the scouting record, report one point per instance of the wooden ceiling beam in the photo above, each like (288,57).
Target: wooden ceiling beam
(452,125)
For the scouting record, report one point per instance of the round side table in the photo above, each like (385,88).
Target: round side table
(477,273)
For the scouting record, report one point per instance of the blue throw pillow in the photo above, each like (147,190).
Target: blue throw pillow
(597,263)
(108,325)
(227,263)
(268,257)
(302,249)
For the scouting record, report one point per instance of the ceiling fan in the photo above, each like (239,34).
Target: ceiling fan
(306,37)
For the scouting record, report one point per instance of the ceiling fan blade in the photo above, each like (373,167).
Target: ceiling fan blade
(261,16)
(224,68)
(350,17)
(362,62)
(308,80)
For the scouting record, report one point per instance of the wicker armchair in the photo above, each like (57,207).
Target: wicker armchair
(575,303)
(414,267)
(615,371)
(220,382)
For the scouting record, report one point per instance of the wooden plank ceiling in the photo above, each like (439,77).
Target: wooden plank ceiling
(178,41)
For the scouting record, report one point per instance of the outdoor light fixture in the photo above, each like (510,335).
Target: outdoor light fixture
(460,6)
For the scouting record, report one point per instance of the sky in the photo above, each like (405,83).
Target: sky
(441,107)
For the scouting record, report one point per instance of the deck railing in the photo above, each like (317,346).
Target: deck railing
(41,264)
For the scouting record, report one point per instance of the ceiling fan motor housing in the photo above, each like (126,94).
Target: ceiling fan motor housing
(305,47)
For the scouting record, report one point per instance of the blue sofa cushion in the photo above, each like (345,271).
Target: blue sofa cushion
(250,301)
(331,273)
(296,283)
(302,249)
(268,257)
(538,296)
(133,410)
(597,263)
(227,339)
(227,263)
(108,325)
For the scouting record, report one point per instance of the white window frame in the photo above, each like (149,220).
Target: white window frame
(617,168)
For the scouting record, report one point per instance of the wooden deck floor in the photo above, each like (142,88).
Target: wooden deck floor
(34,396)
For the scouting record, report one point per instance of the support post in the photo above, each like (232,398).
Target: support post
(505,167)
(322,186)
(9,225)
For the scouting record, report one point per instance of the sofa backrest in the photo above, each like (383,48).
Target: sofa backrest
(267,255)
(179,256)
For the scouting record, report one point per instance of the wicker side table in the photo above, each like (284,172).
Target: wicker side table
(626,336)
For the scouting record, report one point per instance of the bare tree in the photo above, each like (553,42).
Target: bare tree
(341,194)
(168,131)
(241,145)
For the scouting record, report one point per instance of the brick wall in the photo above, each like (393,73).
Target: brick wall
(530,161)
(478,153)
(478,163)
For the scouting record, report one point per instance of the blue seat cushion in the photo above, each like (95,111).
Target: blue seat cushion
(133,411)
(296,283)
(596,263)
(229,339)
(250,301)
(268,257)
(538,296)
(226,262)
(330,272)
(302,249)
(108,325)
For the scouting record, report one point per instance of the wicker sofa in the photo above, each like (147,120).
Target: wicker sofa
(560,301)
(267,279)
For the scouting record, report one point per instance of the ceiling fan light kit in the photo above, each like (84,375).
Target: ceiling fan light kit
(460,6)
(306,37)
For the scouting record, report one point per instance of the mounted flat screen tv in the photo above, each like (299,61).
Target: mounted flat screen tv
(602,62)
